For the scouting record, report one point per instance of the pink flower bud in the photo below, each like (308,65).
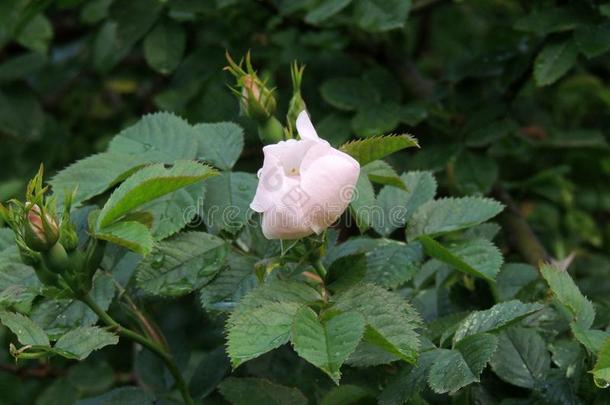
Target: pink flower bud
(40,233)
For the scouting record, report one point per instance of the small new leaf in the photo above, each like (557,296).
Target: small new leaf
(374,148)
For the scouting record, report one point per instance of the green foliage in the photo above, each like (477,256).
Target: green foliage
(406,299)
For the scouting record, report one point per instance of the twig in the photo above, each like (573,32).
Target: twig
(520,234)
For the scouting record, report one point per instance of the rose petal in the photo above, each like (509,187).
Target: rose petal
(305,127)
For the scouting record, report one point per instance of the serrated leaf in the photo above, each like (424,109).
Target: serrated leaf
(457,368)
(27,332)
(380,172)
(478,257)
(164,46)
(220,144)
(182,264)
(96,174)
(494,318)
(326,343)
(19,284)
(522,358)
(58,316)
(325,10)
(451,214)
(128,234)
(227,202)
(409,381)
(391,321)
(148,184)
(601,371)
(568,294)
(255,331)
(231,284)
(363,202)
(592,339)
(374,148)
(348,94)
(391,263)
(397,206)
(82,341)
(281,292)
(160,137)
(554,61)
(257,391)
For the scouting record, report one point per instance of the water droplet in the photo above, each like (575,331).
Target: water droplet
(601,383)
(157,260)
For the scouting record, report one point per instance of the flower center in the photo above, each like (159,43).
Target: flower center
(293,171)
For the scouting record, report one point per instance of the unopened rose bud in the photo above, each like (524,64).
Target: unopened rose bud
(297,104)
(256,98)
(41,233)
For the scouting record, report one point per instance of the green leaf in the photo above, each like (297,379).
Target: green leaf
(568,294)
(478,257)
(513,278)
(457,368)
(131,235)
(212,369)
(391,322)
(95,174)
(121,396)
(262,320)
(220,144)
(82,341)
(164,46)
(554,61)
(148,184)
(397,205)
(601,371)
(380,172)
(257,391)
(494,318)
(19,284)
(374,148)
(592,339)
(522,358)
(160,137)
(231,284)
(326,343)
(593,40)
(182,264)
(474,173)
(348,394)
(391,263)
(381,15)
(445,215)
(36,34)
(255,331)
(59,316)
(362,205)
(376,119)
(349,93)
(409,381)
(227,202)
(325,10)
(27,332)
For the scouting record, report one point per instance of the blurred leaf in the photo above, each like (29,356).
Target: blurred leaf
(381,15)
(209,373)
(475,174)
(36,34)
(349,93)
(256,391)
(376,119)
(227,202)
(555,60)
(601,371)
(325,10)
(593,40)
(382,173)
(164,46)
(513,278)
(122,396)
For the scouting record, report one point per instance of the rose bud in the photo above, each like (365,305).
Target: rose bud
(304,185)
(41,232)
